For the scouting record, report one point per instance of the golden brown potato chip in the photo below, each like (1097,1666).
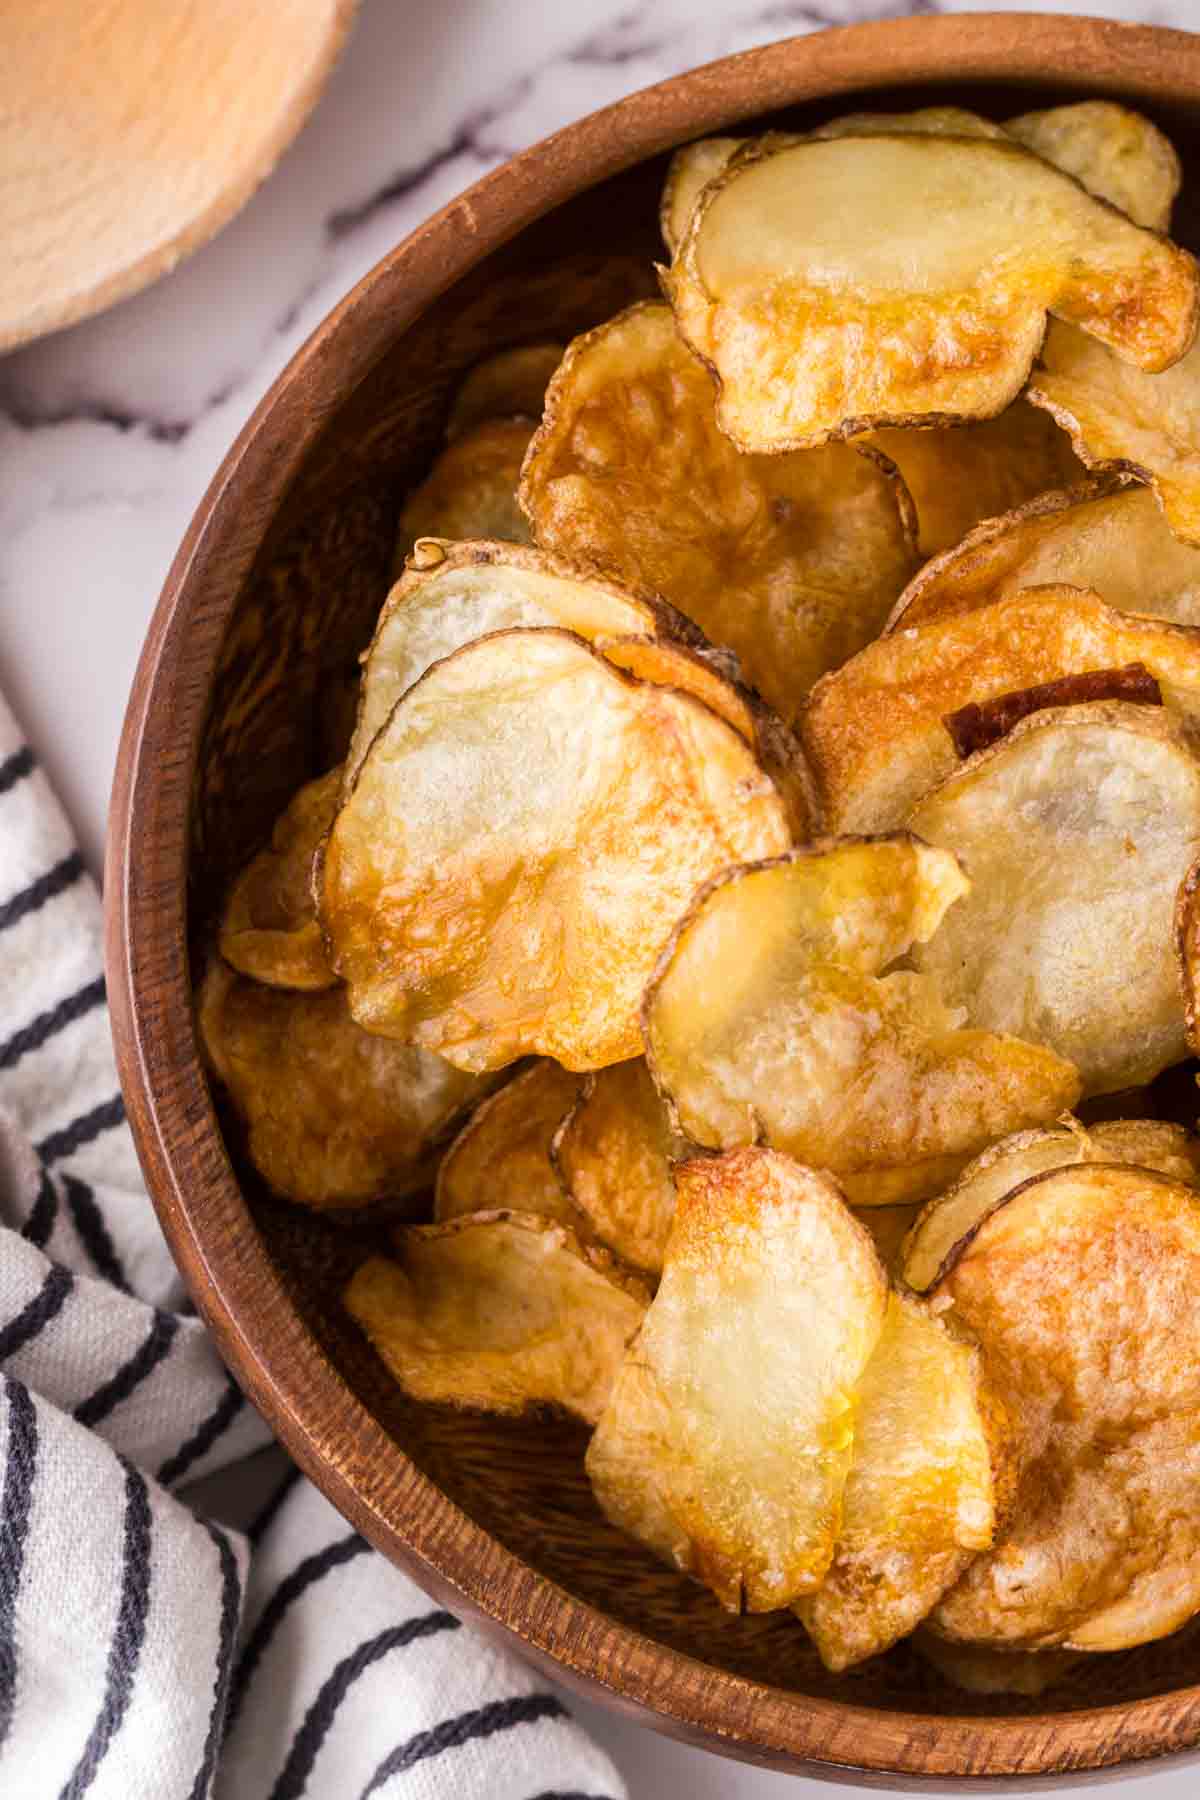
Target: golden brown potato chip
(770,1019)
(269,928)
(1119,417)
(1107,534)
(1147,1143)
(510,385)
(889,1226)
(920,1500)
(728,1438)
(613,1152)
(792,561)
(979,1671)
(1116,153)
(958,477)
(334,1117)
(501,1157)
(1083,1292)
(692,168)
(471,490)
(798,282)
(454,593)
(874,730)
(499,1311)
(519,842)
(1078,829)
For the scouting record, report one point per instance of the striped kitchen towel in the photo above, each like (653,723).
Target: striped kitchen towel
(147,1653)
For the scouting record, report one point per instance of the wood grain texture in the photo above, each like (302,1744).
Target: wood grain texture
(273,587)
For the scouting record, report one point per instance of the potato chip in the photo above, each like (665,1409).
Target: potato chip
(454,593)
(1078,829)
(613,1152)
(334,1117)
(889,1226)
(1107,534)
(501,1312)
(728,1438)
(980,1671)
(875,729)
(501,1157)
(527,828)
(1120,417)
(792,561)
(689,173)
(1147,1143)
(1116,153)
(961,476)
(510,385)
(1083,1292)
(839,284)
(269,928)
(770,1019)
(471,490)
(920,1500)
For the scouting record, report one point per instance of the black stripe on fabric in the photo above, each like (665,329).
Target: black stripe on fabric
(264,1520)
(48,1024)
(205,1435)
(46,1304)
(568,1794)
(20,1467)
(306,1745)
(42,1213)
(231,1606)
(82,1130)
(129,1635)
(15,768)
(484,1721)
(55,881)
(302,1577)
(132,1372)
(93,1232)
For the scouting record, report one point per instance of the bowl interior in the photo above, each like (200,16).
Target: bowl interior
(300,618)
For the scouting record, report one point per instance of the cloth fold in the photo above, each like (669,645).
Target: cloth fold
(147,1653)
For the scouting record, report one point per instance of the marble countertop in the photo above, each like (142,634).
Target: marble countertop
(110,432)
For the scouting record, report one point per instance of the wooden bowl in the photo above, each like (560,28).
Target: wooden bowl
(274,589)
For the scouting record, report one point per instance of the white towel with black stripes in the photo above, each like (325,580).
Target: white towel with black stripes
(147,1653)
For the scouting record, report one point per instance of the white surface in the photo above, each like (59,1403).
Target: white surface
(109,432)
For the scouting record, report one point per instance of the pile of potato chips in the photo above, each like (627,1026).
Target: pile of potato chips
(763,884)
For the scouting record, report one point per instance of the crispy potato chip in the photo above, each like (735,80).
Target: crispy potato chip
(961,476)
(499,1311)
(1119,417)
(1147,1143)
(979,1671)
(1078,829)
(769,1019)
(510,385)
(920,1500)
(798,282)
(728,1438)
(527,828)
(471,490)
(1083,1292)
(501,1157)
(875,729)
(1107,534)
(692,168)
(269,928)
(454,593)
(1116,153)
(792,561)
(334,1117)
(889,1226)
(613,1152)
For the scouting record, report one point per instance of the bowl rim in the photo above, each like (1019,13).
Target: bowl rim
(279,1364)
